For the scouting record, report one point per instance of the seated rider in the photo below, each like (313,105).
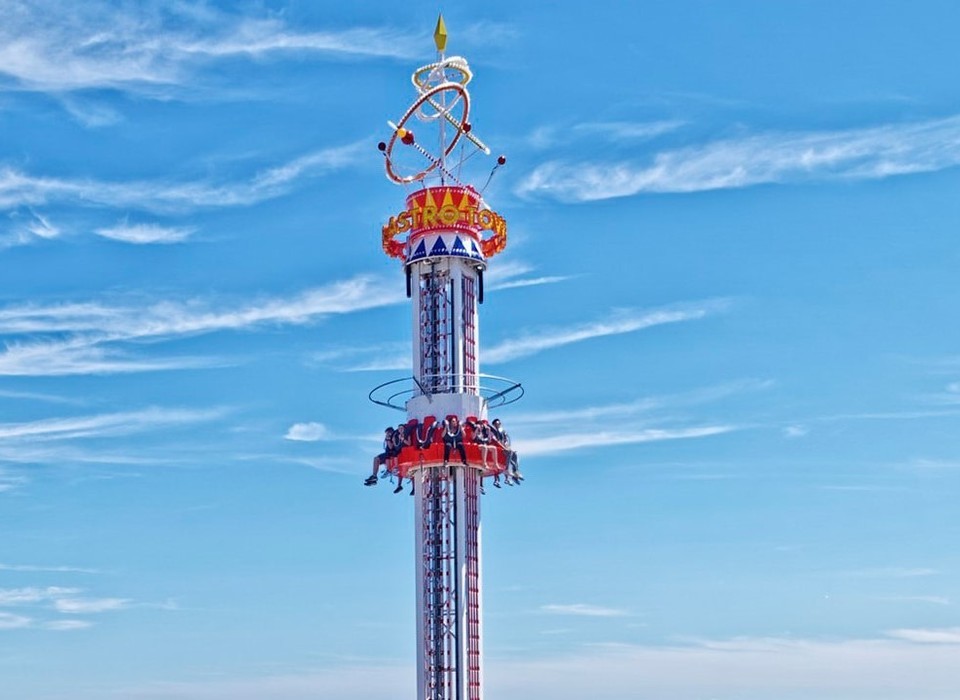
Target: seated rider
(453,439)
(423,435)
(402,439)
(391,448)
(501,438)
(482,438)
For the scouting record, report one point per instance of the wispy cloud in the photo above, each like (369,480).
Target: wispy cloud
(36,396)
(104,425)
(24,596)
(67,625)
(145,233)
(943,635)
(630,131)
(515,274)
(534,342)
(931,599)
(795,431)
(854,669)
(96,337)
(134,47)
(552,135)
(893,572)
(582,610)
(865,153)
(390,355)
(626,321)
(90,606)
(48,569)
(66,601)
(566,441)
(27,227)
(19,188)
(645,419)
(10,482)
(10,621)
(643,405)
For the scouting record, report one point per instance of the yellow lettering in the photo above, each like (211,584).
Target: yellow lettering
(429,216)
(449,214)
(486,219)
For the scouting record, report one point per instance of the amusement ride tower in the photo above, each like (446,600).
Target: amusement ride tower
(444,239)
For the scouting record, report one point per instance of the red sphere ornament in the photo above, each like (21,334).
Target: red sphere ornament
(501,160)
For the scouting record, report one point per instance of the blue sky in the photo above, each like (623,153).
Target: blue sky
(729,291)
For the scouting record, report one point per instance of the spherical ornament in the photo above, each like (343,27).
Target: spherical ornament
(381,146)
(501,160)
(407,136)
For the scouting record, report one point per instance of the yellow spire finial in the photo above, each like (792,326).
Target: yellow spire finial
(440,34)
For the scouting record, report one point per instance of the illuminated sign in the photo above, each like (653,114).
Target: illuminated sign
(436,209)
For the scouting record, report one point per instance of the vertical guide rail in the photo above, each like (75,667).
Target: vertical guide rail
(438,587)
(435,331)
(449,590)
(470,368)
(471,479)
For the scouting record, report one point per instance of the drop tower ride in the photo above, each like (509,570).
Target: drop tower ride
(444,239)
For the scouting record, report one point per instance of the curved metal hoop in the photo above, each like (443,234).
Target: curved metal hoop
(495,391)
(427,98)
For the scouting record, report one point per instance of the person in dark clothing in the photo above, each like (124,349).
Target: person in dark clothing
(453,439)
(423,435)
(391,448)
(401,439)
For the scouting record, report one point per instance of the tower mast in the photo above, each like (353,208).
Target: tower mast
(444,239)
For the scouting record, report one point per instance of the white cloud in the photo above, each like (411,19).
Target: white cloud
(566,441)
(28,227)
(87,606)
(552,135)
(91,114)
(893,572)
(18,188)
(622,322)
(866,153)
(67,625)
(725,669)
(50,569)
(35,396)
(795,431)
(134,47)
(9,482)
(308,432)
(9,621)
(382,356)
(41,227)
(105,424)
(582,610)
(25,596)
(932,599)
(145,233)
(644,405)
(632,131)
(508,274)
(943,635)
(97,334)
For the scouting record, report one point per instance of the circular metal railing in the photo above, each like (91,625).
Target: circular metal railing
(495,391)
